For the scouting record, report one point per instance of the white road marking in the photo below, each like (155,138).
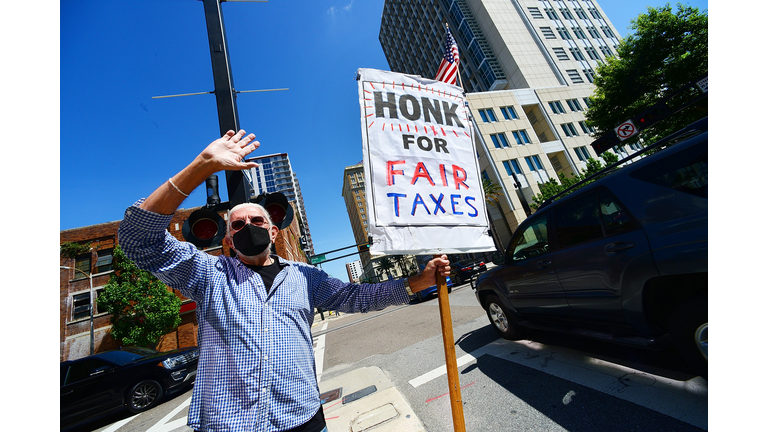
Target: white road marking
(683,400)
(115,426)
(320,352)
(164,426)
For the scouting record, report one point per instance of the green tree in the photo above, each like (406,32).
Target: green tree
(385,265)
(142,308)
(552,187)
(666,51)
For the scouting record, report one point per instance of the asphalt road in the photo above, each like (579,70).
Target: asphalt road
(544,383)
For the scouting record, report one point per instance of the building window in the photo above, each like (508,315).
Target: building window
(507,167)
(83,263)
(521,137)
(535,13)
(548,33)
(81,306)
(592,53)
(593,32)
(551,14)
(569,129)
(560,54)
(582,153)
(566,13)
(509,113)
(607,31)
(573,74)
(587,101)
(499,140)
(104,262)
(563,33)
(580,13)
(595,14)
(606,51)
(585,128)
(579,33)
(556,107)
(577,55)
(590,74)
(487,115)
(574,105)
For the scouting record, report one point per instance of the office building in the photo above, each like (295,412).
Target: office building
(274,174)
(355,271)
(527,67)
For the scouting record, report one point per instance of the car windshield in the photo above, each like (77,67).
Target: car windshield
(124,357)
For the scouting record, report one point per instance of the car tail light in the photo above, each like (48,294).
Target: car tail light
(466,268)
(481,263)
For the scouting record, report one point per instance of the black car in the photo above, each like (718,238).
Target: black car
(132,378)
(464,270)
(622,259)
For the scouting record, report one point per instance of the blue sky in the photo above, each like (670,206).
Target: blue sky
(117,144)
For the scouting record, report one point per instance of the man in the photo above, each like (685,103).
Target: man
(256,369)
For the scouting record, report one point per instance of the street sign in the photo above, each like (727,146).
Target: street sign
(626,130)
(702,84)
(317,259)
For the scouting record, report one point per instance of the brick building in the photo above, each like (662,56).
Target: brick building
(74,285)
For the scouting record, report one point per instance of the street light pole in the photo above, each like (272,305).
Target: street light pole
(90,307)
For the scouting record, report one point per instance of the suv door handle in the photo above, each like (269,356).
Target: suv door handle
(543,263)
(612,248)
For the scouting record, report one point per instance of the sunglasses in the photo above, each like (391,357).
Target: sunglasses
(240,223)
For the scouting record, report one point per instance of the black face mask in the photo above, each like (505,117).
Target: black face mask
(251,240)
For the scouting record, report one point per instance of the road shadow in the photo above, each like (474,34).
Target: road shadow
(663,362)
(572,406)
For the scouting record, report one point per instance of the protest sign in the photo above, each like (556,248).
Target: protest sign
(424,190)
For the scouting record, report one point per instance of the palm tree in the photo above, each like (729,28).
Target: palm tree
(386,264)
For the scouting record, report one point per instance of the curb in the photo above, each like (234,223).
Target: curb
(366,400)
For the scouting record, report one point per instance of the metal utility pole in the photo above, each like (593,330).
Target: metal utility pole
(224,89)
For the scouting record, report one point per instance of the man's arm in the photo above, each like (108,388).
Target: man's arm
(225,153)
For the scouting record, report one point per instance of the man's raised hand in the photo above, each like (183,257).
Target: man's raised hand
(228,152)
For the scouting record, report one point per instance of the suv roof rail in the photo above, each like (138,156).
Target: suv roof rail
(689,131)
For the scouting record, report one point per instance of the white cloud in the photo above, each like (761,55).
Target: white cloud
(332,10)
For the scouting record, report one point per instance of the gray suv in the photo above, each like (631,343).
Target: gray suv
(622,259)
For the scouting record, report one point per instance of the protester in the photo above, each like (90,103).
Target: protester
(256,370)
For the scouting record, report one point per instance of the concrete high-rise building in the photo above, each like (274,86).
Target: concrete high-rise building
(353,192)
(274,174)
(354,271)
(527,67)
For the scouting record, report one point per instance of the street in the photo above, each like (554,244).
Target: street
(544,383)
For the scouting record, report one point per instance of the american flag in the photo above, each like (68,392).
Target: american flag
(449,67)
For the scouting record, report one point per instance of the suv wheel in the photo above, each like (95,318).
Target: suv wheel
(144,395)
(688,325)
(502,319)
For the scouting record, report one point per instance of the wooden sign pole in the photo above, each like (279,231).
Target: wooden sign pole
(457,408)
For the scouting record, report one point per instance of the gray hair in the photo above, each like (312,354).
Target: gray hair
(248,204)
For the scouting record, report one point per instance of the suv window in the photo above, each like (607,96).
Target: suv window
(531,242)
(591,216)
(685,172)
(578,221)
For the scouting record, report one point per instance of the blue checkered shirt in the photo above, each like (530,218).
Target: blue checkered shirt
(256,370)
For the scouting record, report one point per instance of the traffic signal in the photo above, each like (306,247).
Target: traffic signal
(605,142)
(280,211)
(364,247)
(651,116)
(204,227)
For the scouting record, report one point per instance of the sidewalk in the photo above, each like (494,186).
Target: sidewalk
(366,400)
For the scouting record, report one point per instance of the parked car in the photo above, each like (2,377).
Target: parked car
(464,270)
(622,259)
(132,378)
